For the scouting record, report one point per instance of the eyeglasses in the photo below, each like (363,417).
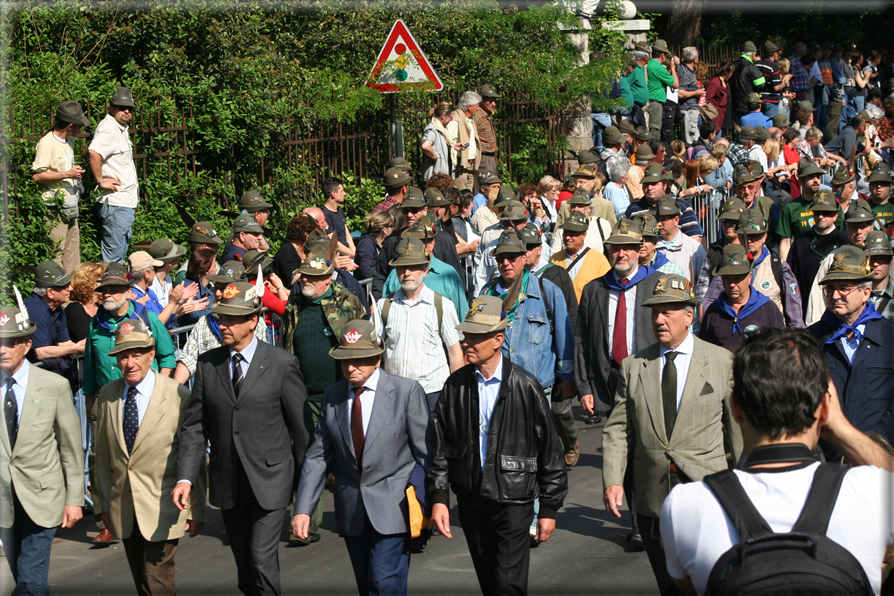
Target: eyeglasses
(125,108)
(11,343)
(512,258)
(842,290)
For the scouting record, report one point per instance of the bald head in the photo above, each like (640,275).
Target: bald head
(317,214)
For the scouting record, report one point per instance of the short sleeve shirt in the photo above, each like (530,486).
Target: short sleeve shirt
(112,142)
(336,221)
(796,219)
(52,326)
(688,82)
(55,155)
(659,79)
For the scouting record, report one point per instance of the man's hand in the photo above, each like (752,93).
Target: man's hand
(181,495)
(110,184)
(301,525)
(545,529)
(70,515)
(613,497)
(565,390)
(80,346)
(440,518)
(75,172)
(194,527)
(587,402)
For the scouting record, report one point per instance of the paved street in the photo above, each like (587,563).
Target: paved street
(586,555)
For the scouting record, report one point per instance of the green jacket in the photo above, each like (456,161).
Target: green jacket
(638,87)
(100,368)
(340,307)
(659,80)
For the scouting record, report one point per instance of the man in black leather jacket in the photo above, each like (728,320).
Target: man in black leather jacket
(494,411)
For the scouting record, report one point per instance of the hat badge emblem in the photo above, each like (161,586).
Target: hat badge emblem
(661,286)
(677,284)
(475,307)
(4,319)
(352,336)
(125,329)
(838,261)
(231,291)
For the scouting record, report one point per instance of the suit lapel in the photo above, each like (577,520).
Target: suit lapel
(343,417)
(30,405)
(377,418)
(863,351)
(651,382)
(602,301)
(255,371)
(4,438)
(155,411)
(695,382)
(223,369)
(117,409)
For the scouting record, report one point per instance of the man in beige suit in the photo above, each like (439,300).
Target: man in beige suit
(41,458)
(470,156)
(672,409)
(136,428)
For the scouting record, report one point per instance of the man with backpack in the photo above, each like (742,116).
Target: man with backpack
(718,534)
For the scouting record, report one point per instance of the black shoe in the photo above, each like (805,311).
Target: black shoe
(594,419)
(295,541)
(636,540)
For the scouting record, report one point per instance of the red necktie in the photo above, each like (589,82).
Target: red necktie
(619,337)
(357,425)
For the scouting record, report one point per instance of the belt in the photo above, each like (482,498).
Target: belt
(489,153)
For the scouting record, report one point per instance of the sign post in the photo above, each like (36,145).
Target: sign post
(401,66)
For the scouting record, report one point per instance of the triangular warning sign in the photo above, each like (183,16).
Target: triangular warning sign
(401,65)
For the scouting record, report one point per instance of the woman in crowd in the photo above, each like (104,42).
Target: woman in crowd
(84,299)
(717,94)
(291,253)
(549,188)
(201,264)
(694,177)
(439,141)
(379,225)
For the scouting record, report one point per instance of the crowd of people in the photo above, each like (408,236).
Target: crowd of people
(442,347)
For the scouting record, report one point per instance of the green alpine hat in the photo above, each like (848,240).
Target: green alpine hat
(849,263)
(749,47)
(588,156)
(435,198)
(71,111)
(229,272)
(644,134)
(411,202)
(580,197)
(807,167)
(531,235)
(50,274)
(488,91)
(612,136)
(485,315)
(506,194)
(734,261)
(824,201)
(316,263)
(514,211)
(648,225)
(780,121)
(487,178)
(659,45)
(731,209)
(246,223)
(666,205)
(115,274)
(877,243)
(132,334)
(14,324)
(252,201)
(396,178)
(859,210)
(252,259)
(203,233)
(748,133)
(509,244)
(626,127)
(843,175)
(655,172)
(410,251)
(672,289)
(239,299)
(752,223)
(880,173)
(806,105)
(423,229)
(123,98)
(165,250)
(585,171)
(625,231)
(359,340)
(315,237)
(578,222)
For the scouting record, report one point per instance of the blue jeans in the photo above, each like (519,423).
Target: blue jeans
(117,226)
(27,548)
(770,109)
(381,562)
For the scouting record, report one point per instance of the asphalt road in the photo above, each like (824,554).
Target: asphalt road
(587,554)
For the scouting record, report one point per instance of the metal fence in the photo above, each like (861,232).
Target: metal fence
(707,209)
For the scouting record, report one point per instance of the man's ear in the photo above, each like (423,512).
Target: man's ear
(736,410)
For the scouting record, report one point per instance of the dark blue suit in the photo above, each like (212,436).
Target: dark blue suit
(866,387)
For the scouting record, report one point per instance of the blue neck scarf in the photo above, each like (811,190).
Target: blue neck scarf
(755,301)
(760,259)
(611,281)
(659,261)
(214,326)
(869,314)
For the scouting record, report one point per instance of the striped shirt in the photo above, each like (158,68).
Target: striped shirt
(486,133)
(888,296)
(414,346)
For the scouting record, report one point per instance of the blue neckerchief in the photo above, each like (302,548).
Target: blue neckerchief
(755,301)
(869,314)
(612,281)
(659,262)
(214,326)
(760,259)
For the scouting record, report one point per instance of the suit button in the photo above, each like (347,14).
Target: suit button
(236,433)
(355,467)
(236,408)
(130,468)
(362,486)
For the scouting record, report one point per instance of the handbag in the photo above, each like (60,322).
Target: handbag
(418,520)
(709,112)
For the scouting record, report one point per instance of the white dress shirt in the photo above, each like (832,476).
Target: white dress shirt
(682,361)
(19,387)
(144,393)
(488,394)
(247,354)
(366,399)
(630,301)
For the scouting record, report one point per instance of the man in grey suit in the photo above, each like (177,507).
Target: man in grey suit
(248,402)
(372,431)
(41,458)
(672,410)
(611,325)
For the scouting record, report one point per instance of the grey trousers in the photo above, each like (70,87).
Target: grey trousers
(654,114)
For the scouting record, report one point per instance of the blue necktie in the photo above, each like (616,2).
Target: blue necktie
(131,418)
(11,413)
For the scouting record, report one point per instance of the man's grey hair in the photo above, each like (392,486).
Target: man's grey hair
(467,100)
(690,54)
(618,171)
(141,273)
(42,292)
(864,284)
(637,55)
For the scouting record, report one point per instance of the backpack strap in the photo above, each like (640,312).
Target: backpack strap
(386,306)
(738,507)
(821,499)
(776,266)
(439,309)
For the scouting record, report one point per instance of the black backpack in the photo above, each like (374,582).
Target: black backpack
(803,562)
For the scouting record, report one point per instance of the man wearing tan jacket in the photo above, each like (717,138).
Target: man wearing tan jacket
(470,155)
(136,424)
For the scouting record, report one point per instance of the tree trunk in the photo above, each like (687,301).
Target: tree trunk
(685,23)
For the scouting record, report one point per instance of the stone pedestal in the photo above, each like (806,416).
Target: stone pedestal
(635,29)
